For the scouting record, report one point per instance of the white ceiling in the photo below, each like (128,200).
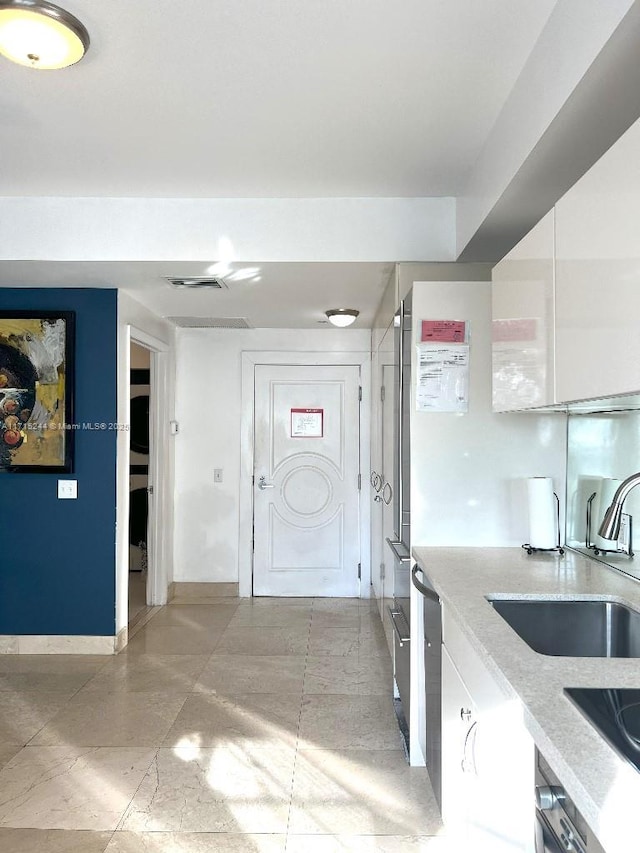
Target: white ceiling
(289,98)
(287,295)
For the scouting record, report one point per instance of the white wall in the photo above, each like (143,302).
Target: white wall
(172,229)
(470,468)
(132,314)
(208,409)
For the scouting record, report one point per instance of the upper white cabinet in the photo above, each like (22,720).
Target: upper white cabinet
(598,277)
(523,322)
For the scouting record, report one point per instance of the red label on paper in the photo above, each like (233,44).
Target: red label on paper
(443,331)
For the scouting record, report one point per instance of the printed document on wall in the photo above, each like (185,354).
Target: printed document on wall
(442,383)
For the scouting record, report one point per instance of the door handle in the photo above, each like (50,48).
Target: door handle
(263,485)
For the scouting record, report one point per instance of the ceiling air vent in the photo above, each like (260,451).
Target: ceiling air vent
(209,322)
(197,282)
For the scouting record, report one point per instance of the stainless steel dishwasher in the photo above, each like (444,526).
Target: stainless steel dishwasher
(432,678)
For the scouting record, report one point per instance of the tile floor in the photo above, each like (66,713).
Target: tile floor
(259,725)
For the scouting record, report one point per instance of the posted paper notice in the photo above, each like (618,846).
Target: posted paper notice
(442,382)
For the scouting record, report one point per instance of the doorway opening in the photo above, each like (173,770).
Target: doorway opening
(139,483)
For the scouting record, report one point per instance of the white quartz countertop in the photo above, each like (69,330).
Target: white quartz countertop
(604,787)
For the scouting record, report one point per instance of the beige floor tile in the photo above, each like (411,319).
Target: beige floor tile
(349,675)
(371,623)
(375,677)
(220,789)
(53,841)
(252,674)
(345,618)
(174,639)
(334,641)
(293,615)
(70,788)
(250,720)
(348,722)
(337,604)
(270,601)
(361,792)
(369,844)
(23,714)
(373,645)
(195,842)
(62,683)
(50,664)
(195,615)
(7,752)
(146,673)
(118,719)
(337,674)
(255,640)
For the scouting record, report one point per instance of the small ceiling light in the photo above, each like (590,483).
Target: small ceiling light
(342,316)
(40,35)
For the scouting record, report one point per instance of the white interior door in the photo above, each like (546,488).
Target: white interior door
(306,480)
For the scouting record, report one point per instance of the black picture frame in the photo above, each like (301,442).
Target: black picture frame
(37,391)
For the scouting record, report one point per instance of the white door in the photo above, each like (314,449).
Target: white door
(306,480)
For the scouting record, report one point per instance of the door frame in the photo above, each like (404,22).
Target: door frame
(249,361)
(157,547)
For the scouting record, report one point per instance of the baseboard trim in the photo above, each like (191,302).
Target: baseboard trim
(196,591)
(35,644)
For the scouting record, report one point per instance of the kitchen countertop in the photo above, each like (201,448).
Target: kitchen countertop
(604,787)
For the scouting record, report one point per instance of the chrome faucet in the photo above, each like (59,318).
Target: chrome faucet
(610,527)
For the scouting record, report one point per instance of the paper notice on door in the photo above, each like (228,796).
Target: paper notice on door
(442,382)
(307,423)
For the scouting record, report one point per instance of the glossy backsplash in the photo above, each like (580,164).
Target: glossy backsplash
(603,444)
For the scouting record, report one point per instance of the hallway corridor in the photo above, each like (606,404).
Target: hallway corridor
(234,725)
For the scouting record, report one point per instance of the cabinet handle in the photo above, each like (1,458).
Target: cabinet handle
(401,639)
(401,556)
(428,593)
(387,493)
(468,764)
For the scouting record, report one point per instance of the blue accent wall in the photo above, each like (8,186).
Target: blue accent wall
(57,558)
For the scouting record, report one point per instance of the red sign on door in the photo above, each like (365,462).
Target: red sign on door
(307,423)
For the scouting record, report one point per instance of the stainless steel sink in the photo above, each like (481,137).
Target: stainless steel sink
(574,628)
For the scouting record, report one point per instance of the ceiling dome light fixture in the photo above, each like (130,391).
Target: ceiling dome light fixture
(342,316)
(40,35)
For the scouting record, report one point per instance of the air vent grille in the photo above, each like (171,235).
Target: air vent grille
(209,322)
(197,282)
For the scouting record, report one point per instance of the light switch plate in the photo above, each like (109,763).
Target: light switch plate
(67,489)
(217,475)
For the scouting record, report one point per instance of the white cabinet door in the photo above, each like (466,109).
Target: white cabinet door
(523,322)
(488,759)
(459,721)
(598,277)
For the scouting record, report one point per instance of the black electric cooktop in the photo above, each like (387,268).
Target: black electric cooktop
(615,713)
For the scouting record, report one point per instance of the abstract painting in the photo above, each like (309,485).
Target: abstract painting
(36,391)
